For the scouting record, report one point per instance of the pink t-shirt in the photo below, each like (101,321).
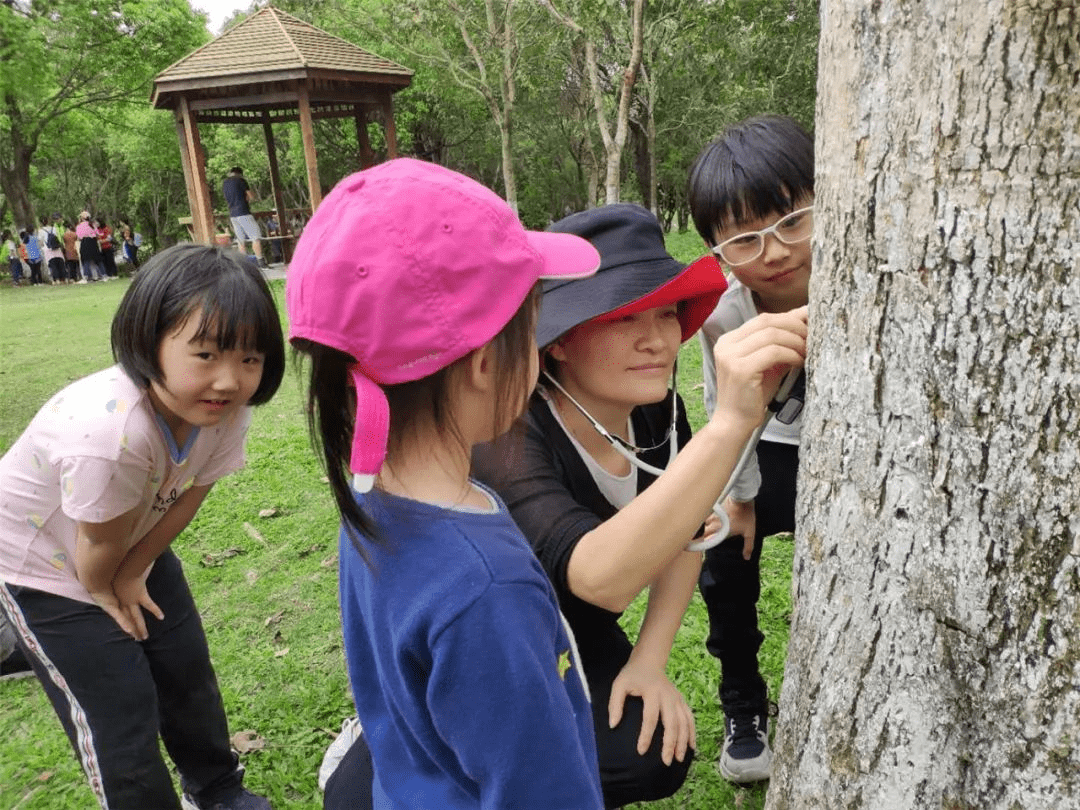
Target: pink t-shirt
(84,229)
(94,452)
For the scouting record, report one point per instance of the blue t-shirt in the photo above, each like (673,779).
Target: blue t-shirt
(235,188)
(33,249)
(465,679)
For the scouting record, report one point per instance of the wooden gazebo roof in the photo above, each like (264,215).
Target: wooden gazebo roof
(255,65)
(273,68)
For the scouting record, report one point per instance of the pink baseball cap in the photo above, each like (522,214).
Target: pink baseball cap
(407,267)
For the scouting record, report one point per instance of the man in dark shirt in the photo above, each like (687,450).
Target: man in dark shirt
(238,194)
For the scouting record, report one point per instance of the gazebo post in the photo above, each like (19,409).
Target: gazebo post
(202,212)
(189,181)
(391,132)
(367,157)
(275,184)
(311,160)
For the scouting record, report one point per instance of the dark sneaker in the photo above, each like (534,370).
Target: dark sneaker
(746,756)
(240,800)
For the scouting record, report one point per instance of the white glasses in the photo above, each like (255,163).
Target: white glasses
(794,228)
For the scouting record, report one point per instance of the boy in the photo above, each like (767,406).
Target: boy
(751,195)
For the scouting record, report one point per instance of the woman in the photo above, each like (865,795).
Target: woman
(603,529)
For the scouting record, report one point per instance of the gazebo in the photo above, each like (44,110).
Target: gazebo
(273,68)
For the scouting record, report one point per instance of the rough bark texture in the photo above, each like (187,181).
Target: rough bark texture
(934,659)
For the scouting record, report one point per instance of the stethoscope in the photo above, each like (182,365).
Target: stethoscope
(785,407)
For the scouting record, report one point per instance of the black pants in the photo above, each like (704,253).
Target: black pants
(108,261)
(57,269)
(350,785)
(730,585)
(114,695)
(625,775)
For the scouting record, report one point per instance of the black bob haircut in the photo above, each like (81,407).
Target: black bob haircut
(763,165)
(228,291)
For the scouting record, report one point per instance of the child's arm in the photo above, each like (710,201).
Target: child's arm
(129,581)
(99,550)
(739,505)
(645,674)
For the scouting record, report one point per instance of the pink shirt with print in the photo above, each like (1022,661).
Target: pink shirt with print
(94,452)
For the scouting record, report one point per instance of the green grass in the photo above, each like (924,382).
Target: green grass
(267,587)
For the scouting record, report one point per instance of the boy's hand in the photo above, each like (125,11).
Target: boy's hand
(751,361)
(743,521)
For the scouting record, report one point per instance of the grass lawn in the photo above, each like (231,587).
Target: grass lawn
(267,585)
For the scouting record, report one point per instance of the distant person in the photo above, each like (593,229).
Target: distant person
(33,255)
(238,194)
(108,249)
(129,245)
(71,252)
(53,247)
(11,250)
(89,250)
(96,489)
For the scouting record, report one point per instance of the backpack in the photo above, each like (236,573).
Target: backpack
(51,242)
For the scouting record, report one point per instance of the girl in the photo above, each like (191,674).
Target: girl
(411,290)
(89,250)
(106,476)
(33,255)
(603,529)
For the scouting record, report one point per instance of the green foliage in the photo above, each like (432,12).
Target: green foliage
(75,73)
(94,143)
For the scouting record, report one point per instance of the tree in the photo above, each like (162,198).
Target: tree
(66,55)
(614,136)
(935,655)
(477,46)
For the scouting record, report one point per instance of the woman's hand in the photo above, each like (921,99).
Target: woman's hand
(751,361)
(662,703)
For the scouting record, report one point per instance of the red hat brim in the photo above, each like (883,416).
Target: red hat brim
(697,289)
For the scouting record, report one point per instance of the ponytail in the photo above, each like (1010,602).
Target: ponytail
(331,410)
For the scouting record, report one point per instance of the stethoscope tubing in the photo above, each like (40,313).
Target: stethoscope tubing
(718,510)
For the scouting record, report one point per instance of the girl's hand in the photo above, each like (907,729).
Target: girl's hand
(662,703)
(132,597)
(751,361)
(107,601)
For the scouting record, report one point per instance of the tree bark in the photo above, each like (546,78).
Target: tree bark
(15,168)
(934,658)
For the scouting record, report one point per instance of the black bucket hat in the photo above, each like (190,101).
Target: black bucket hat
(636,273)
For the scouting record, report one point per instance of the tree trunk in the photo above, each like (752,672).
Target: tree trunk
(935,655)
(15,169)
